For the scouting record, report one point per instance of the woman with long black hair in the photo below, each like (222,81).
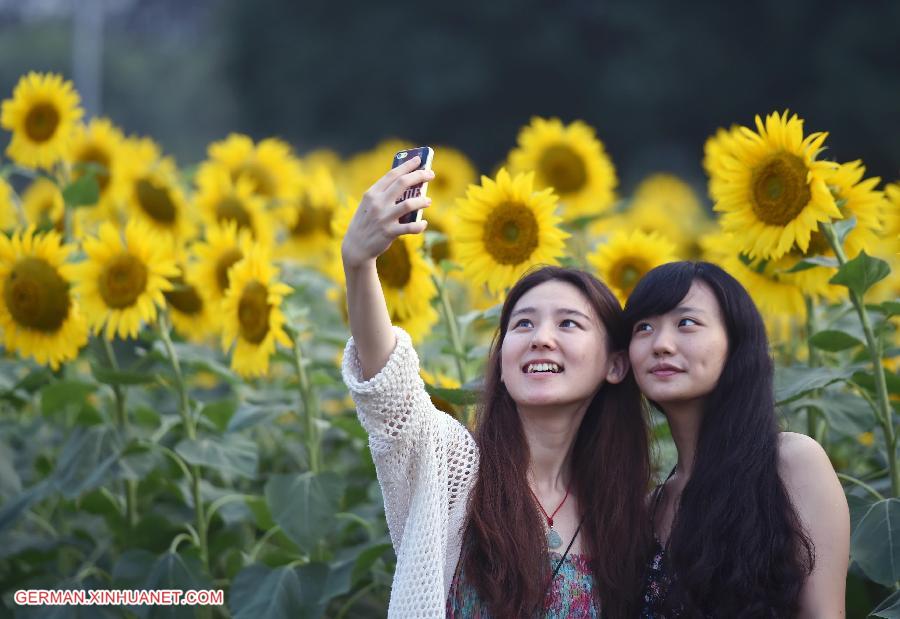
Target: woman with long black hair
(751,522)
(541,511)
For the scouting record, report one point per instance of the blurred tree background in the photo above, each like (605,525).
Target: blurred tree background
(654,78)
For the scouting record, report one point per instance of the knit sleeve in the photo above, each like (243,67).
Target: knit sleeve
(413,444)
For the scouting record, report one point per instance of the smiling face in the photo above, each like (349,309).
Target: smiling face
(678,356)
(555,349)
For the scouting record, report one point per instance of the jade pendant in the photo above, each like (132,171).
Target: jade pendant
(553,539)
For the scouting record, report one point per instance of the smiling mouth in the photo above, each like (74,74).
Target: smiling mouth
(543,368)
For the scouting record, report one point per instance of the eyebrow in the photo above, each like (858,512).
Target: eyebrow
(564,310)
(686,309)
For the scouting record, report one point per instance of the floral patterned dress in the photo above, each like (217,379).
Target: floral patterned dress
(569,596)
(657,582)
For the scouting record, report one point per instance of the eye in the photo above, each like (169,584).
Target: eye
(687,322)
(522,322)
(570,322)
(642,326)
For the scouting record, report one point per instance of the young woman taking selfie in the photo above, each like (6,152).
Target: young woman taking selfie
(751,522)
(540,511)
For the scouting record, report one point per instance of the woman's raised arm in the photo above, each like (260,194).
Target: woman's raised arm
(372,230)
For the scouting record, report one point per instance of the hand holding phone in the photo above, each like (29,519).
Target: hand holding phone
(426,155)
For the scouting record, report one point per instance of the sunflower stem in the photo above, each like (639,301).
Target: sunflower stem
(452,328)
(858,482)
(122,423)
(190,428)
(814,423)
(310,404)
(885,414)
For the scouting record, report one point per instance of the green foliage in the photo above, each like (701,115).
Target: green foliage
(875,544)
(861,273)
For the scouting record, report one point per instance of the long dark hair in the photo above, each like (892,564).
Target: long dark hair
(737,547)
(505,555)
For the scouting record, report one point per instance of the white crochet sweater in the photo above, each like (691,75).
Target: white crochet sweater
(426,463)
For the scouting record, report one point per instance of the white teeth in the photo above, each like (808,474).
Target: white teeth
(543,367)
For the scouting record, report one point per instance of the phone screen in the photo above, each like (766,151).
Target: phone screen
(426,154)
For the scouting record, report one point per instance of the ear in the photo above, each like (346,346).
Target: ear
(618,367)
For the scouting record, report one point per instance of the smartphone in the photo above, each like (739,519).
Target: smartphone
(426,155)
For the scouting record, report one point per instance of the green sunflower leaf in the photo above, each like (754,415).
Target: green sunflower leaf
(454,396)
(233,454)
(813,262)
(875,542)
(795,381)
(83,191)
(834,341)
(304,506)
(280,593)
(861,273)
(889,607)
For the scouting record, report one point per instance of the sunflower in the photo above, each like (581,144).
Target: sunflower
(224,246)
(39,317)
(323,157)
(41,115)
(123,279)
(307,218)
(252,320)
(100,143)
(405,275)
(153,193)
(624,259)
(441,381)
(8,218)
(717,150)
(571,160)
(504,228)
(892,213)
(771,189)
(191,311)
(856,197)
(270,168)
(453,175)
(363,169)
(43,204)
(778,297)
(221,199)
(419,324)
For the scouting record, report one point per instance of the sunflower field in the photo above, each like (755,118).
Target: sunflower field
(171,403)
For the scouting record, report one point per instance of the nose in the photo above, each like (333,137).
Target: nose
(663,343)
(542,337)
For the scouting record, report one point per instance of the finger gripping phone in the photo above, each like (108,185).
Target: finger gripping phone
(426,155)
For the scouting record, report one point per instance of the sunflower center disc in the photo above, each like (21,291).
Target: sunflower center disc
(41,122)
(394,266)
(225,261)
(309,218)
(232,209)
(253,312)
(184,298)
(92,154)
(155,201)
(123,281)
(818,245)
(36,295)
(263,183)
(441,249)
(780,190)
(563,169)
(511,233)
(627,274)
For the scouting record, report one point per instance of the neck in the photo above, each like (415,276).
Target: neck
(550,434)
(684,422)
